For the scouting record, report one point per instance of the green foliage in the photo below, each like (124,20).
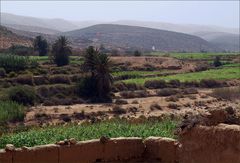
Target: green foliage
(193,55)
(20,50)
(112,128)
(25,95)
(137,53)
(217,61)
(99,65)
(16,63)
(40,44)
(86,87)
(61,51)
(2,72)
(217,74)
(11,111)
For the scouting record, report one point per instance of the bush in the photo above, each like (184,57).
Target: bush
(59,79)
(155,107)
(2,72)
(127,87)
(12,74)
(209,83)
(137,53)
(24,79)
(86,87)
(226,93)
(174,83)
(134,94)
(16,63)
(167,92)
(173,106)
(217,61)
(22,94)
(121,102)
(190,91)
(21,50)
(11,111)
(154,84)
(118,110)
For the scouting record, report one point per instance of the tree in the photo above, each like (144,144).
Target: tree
(217,61)
(61,51)
(137,53)
(89,59)
(40,45)
(100,81)
(103,76)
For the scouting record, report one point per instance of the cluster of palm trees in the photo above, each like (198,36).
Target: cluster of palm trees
(97,64)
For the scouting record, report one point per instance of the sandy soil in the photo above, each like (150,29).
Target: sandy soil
(188,104)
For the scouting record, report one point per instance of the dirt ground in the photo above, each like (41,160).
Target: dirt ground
(150,106)
(138,63)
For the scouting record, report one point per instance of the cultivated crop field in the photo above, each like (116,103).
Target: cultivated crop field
(43,103)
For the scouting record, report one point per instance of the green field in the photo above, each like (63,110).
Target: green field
(218,74)
(192,55)
(73,59)
(113,128)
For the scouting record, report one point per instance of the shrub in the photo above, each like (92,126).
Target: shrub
(134,94)
(137,53)
(190,91)
(154,84)
(217,61)
(173,106)
(86,87)
(11,111)
(172,98)
(2,72)
(118,110)
(22,94)
(16,63)
(24,79)
(120,102)
(167,92)
(226,93)
(12,74)
(155,107)
(209,83)
(20,50)
(40,80)
(59,79)
(174,83)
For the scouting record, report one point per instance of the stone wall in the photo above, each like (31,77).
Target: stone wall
(201,144)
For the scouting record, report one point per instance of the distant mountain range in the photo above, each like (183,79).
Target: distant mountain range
(218,38)
(134,37)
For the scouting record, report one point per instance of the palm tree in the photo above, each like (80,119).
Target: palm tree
(40,44)
(61,51)
(103,76)
(89,58)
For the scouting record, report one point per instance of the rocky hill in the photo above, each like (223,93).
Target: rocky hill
(134,37)
(8,38)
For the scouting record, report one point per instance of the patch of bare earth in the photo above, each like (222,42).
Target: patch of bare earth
(152,105)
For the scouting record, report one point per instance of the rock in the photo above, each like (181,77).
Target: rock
(73,141)
(10,147)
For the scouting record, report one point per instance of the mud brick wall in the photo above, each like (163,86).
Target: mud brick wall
(201,144)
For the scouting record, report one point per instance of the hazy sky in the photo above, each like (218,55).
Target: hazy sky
(220,13)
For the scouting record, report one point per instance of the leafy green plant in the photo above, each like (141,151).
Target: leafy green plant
(11,111)
(16,63)
(25,95)
(111,128)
